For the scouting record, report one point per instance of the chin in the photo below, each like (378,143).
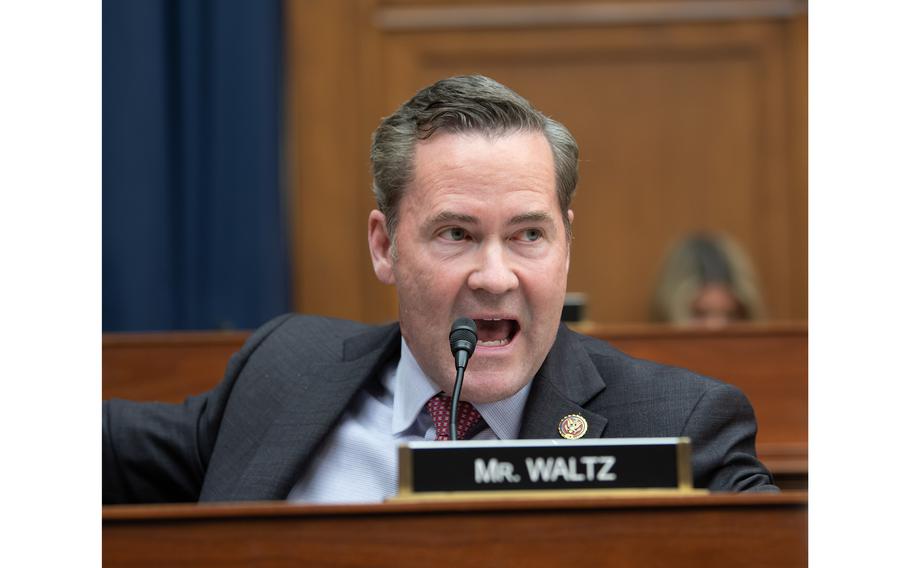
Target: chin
(487,386)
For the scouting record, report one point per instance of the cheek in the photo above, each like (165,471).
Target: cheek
(425,285)
(545,288)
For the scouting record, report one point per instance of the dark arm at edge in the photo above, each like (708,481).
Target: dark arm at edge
(722,428)
(156,452)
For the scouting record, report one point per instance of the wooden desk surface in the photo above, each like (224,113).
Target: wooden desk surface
(726,530)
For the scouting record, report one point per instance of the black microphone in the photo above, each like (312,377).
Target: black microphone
(462,340)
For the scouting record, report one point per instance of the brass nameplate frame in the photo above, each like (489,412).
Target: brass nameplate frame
(544,468)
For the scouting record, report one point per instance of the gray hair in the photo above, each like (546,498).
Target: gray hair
(471,103)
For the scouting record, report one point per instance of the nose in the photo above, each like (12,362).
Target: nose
(492,272)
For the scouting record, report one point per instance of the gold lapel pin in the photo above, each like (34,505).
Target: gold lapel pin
(573,427)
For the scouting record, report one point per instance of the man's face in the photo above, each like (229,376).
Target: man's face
(480,234)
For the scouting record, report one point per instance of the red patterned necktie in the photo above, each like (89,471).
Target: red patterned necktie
(470,421)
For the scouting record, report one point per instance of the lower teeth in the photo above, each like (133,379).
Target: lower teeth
(494,343)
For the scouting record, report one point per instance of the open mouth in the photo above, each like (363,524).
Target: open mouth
(495,332)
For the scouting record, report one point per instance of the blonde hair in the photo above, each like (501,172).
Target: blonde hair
(702,259)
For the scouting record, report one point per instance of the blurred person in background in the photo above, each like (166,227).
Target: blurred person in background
(707,280)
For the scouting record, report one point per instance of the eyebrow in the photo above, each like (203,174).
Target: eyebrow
(450,216)
(531,217)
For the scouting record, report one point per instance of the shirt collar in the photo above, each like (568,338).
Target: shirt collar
(412,389)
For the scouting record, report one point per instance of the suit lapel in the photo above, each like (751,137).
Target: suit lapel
(566,381)
(310,410)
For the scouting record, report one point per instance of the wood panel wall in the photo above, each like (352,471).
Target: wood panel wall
(690,115)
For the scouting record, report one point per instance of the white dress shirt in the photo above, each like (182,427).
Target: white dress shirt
(358,460)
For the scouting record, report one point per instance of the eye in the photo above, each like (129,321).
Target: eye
(530,235)
(454,234)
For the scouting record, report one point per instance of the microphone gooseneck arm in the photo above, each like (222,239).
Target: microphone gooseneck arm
(462,340)
(453,413)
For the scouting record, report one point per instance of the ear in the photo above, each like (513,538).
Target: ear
(569,240)
(380,247)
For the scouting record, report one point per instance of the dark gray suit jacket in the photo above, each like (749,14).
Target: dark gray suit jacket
(251,436)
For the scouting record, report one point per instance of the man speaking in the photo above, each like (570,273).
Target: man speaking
(473,187)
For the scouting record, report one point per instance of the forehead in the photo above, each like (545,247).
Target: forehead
(455,167)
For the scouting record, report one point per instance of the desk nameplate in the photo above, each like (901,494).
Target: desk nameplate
(542,468)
